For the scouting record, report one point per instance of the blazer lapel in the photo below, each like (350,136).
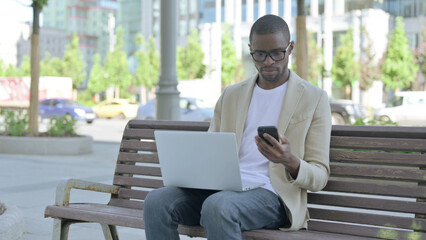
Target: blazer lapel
(244,99)
(292,97)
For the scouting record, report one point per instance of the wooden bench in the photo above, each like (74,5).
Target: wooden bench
(376,189)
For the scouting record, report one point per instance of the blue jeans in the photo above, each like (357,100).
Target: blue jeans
(223,214)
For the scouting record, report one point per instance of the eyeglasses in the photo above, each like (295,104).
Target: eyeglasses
(279,55)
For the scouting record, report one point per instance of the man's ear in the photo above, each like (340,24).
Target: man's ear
(290,49)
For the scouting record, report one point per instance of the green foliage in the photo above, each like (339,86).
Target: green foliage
(25,69)
(364,122)
(232,68)
(8,71)
(315,60)
(97,82)
(73,64)
(421,53)
(51,66)
(148,69)
(15,123)
(11,71)
(399,68)
(345,69)
(63,126)
(41,3)
(369,69)
(190,58)
(86,98)
(116,66)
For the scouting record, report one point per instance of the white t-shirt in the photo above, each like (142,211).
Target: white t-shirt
(264,110)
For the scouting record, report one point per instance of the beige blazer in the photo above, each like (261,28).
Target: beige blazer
(305,119)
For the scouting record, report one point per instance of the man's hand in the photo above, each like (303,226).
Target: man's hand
(279,152)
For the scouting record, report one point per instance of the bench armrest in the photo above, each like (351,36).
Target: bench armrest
(63,189)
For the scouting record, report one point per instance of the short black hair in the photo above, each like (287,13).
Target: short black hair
(269,24)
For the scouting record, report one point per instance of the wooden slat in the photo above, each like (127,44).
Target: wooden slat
(131,133)
(272,234)
(389,144)
(379,131)
(134,145)
(397,159)
(415,175)
(137,182)
(368,203)
(339,185)
(368,218)
(138,170)
(130,193)
(89,214)
(125,203)
(169,125)
(138,157)
(268,234)
(365,231)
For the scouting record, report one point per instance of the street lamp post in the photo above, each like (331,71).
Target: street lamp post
(167,94)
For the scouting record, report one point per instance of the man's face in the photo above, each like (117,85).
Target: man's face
(269,70)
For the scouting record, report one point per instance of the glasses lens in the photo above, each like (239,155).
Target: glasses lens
(259,56)
(277,55)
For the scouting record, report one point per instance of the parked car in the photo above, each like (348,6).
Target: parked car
(59,107)
(122,108)
(346,111)
(192,109)
(407,108)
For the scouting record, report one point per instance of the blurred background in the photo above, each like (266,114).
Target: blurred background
(104,56)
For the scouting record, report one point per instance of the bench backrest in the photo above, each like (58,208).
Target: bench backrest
(376,189)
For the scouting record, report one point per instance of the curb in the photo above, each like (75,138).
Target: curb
(11,223)
(46,145)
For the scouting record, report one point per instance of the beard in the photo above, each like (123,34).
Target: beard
(271,77)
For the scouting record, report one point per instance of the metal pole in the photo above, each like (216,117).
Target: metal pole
(167,93)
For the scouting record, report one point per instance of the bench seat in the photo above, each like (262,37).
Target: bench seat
(119,216)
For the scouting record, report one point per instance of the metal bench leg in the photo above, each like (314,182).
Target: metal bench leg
(60,229)
(110,232)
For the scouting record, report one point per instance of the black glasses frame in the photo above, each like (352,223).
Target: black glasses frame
(269,54)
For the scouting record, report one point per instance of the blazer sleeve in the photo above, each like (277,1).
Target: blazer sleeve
(314,168)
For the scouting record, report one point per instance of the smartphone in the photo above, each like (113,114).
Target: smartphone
(271,130)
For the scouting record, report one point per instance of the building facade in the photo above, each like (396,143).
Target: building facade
(94,22)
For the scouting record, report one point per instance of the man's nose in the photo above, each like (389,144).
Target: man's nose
(269,60)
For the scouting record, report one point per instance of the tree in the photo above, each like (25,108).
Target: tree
(37,6)
(73,63)
(315,60)
(97,81)
(190,58)
(148,68)
(232,68)
(345,69)
(301,43)
(399,68)
(51,66)
(370,71)
(116,66)
(421,53)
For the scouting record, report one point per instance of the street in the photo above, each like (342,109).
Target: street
(102,129)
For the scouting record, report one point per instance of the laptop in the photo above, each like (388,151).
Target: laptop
(203,160)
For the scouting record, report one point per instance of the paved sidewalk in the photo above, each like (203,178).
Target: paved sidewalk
(29,182)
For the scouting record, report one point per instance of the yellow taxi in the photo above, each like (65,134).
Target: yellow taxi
(122,108)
